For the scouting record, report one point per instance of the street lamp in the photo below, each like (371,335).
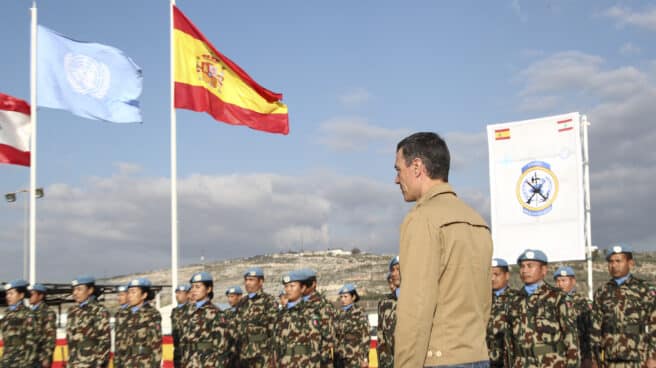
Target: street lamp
(11,198)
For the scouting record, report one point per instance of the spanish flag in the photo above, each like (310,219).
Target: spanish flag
(501,134)
(206,80)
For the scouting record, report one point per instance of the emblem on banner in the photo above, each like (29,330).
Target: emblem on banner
(537,188)
(210,71)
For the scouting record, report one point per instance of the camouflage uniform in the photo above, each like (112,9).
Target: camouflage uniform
(46,321)
(19,334)
(352,337)
(580,308)
(540,330)
(203,341)
(230,315)
(385,331)
(177,323)
(318,305)
(88,335)
(256,318)
(496,327)
(120,340)
(623,323)
(143,338)
(297,337)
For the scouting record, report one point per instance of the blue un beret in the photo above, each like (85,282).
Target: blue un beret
(617,249)
(234,290)
(122,288)
(16,284)
(309,273)
(183,287)
(201,277)
(393,261)
(499,262)
(140,282)
(292,276)
(39,288)
(564,271)
(83,280)
(532,255)
(254,272)
(347,288)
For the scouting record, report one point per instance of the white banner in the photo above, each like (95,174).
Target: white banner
(536,187)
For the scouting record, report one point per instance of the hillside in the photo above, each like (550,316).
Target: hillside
(334,268)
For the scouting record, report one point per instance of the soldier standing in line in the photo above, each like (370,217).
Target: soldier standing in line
(177,321)
(87,329)
(256,316)
(387,316)
(19,328)
(204,339)
(319,305)
(120,341)
(46,321)
(623,316)
(502,295)
(143,327)
(541,331)
(282,299)
(351,331)
(297,335)
(233,294)
(579,305)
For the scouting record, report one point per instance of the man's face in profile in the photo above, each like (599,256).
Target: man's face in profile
(405,177)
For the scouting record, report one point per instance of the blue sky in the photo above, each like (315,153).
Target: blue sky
(357,77)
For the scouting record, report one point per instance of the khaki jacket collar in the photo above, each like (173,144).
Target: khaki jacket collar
(434,191)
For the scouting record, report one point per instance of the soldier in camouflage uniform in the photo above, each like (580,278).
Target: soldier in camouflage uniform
(387,316)
(623,316)
(120,340)
(565,279)
(256,316)
(233,294)
(143,327)
(177,320)
(319,305)
(282,299)
(540,328)
(87,329)
(496,326)
(204,340)
(351,331)
(46,321)
(19,329)
(297,335)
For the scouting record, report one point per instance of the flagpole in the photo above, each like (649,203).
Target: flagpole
(586,180)
(174,167)
(33,111)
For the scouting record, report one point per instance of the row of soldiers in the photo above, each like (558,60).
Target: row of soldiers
(540,325)
(302,329)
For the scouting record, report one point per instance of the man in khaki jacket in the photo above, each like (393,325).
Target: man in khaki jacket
(445,255)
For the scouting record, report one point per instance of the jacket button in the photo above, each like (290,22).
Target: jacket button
(438,354)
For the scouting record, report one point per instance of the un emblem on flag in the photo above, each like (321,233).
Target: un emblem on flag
(537,188)
(86,75)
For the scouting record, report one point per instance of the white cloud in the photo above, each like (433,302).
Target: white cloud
(357,134)
(356,97)
(625,16)
(629,49)
(619,102)
(121,224)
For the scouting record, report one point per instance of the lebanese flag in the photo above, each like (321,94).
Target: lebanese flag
(15,131)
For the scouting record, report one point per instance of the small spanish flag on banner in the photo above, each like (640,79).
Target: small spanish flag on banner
(207,81)
(500,134)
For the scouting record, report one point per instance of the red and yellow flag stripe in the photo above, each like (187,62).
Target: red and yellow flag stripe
(207,81)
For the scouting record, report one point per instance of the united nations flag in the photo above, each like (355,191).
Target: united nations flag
(90,80)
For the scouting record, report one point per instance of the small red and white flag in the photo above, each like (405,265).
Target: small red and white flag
(15,130)
(565,125)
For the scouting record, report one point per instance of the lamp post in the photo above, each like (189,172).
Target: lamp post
(11,198)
